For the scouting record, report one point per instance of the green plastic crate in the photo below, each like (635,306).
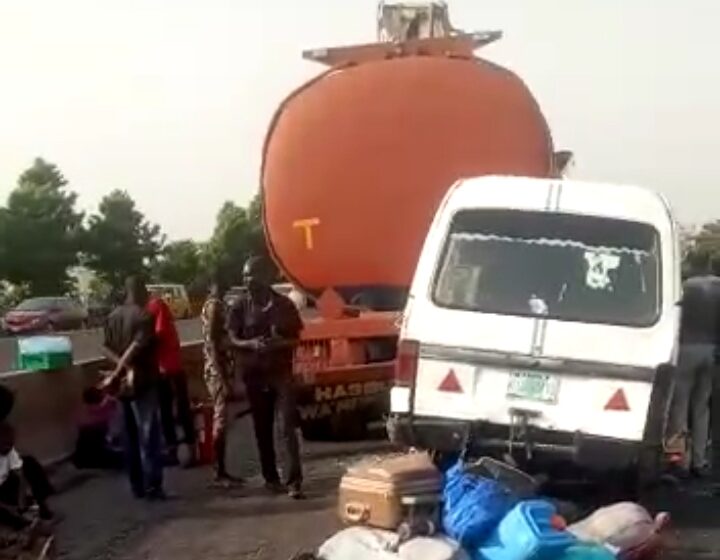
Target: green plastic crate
(44,353)
(44,361)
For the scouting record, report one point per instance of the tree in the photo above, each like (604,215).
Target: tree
(180,262)
(11,295)
(257,241)
(707,239)
(119,241)
(238,235)
(40,230)
(229,245)
(700,246)
(99,291)
(4,242)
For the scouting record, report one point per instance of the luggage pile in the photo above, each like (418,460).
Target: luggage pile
(402,508)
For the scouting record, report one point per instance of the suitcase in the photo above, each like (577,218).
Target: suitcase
(385,492)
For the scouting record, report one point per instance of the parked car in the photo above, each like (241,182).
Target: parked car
(176,296)
(45,314)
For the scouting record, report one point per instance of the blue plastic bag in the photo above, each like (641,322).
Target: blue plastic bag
(473,506)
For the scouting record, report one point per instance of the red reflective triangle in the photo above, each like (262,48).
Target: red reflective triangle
(618,401)
(451,384)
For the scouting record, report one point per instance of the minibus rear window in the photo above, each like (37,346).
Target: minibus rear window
(560,266)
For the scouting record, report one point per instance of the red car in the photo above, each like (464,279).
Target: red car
(45,314)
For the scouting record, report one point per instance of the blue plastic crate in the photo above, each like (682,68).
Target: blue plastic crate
(526,533)
(587,552)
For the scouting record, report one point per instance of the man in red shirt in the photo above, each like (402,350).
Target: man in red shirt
(173,388)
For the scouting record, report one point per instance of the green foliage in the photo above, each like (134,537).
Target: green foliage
(229,245)
(257,242)
(119,241)
(5,250)
(43,236)
(238,235)
(180,263)
(701,249)
(99,291)
(11,295)
(39,231)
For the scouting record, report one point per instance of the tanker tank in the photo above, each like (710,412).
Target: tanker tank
(357,160)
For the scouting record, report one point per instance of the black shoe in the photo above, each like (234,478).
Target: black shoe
(679,473)
(296,493)
(276,488)
(700,473)
(226,481)
(156,495)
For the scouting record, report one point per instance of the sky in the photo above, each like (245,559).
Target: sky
(170,99)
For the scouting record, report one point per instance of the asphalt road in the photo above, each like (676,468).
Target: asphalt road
(101,521)
(86,343)
(249,524)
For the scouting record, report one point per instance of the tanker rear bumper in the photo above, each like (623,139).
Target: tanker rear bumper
(358,392)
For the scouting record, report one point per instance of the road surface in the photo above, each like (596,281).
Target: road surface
(102,522)
(86,343)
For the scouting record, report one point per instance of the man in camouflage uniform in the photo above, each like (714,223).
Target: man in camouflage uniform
(218,373)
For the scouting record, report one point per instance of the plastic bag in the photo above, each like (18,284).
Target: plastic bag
(363,543)
(473,506)
(359,543)
(626,526)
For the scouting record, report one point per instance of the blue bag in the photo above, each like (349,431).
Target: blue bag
(473,506)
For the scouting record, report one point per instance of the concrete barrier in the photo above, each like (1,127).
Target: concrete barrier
(87,343)
(47,403)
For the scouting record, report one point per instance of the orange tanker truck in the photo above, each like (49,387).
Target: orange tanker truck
(355,163)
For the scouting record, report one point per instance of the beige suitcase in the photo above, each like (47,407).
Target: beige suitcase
(385,492)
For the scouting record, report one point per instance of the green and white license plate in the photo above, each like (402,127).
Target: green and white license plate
(534,386)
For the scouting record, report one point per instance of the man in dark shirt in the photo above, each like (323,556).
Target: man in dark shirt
(696,369)
(130,344)
(264,327)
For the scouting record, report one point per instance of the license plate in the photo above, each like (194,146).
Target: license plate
(533,386)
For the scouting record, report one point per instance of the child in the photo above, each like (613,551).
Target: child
(17,475)
(97,432)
